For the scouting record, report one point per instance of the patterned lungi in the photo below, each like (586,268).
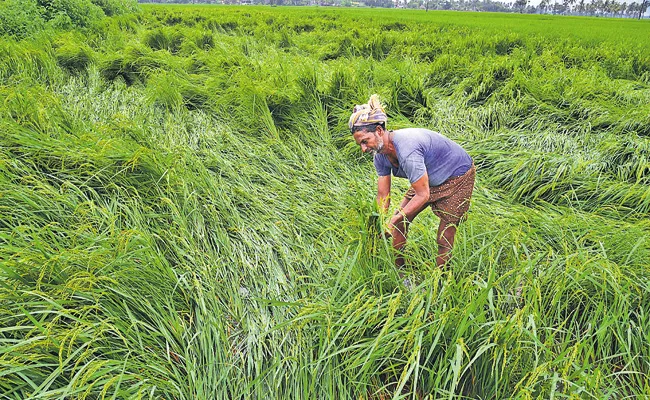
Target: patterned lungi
(450,200)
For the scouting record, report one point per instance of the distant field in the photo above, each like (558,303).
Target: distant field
(184,215)
(631,33)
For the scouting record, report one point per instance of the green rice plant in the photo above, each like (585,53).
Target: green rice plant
(33,108)
(626,158)
(507,44)
(72,54)
(446,71)
(486,82)
(204,41)
(164,39)
(165,92)
(134,64)
(127,22)
(31,61)
(551,179)
(173,92)
(408,93)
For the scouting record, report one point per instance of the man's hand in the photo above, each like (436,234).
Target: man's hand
(411,209)
(383,193)
(397,219)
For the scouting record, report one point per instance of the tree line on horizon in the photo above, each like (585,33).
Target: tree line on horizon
(597,8)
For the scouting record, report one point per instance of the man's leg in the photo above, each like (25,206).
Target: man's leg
(446,234)
(399,232)
(451,209)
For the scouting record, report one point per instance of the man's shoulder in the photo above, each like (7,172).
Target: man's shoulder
(408,140)
(414,135)
(414,131)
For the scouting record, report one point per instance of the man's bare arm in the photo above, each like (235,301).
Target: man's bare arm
(417,203)
(383,192)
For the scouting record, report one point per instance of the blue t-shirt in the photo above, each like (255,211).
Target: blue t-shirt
(419,150)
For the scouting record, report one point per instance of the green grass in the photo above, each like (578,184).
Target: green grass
(184,214)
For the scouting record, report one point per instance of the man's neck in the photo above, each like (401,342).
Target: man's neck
(389,148)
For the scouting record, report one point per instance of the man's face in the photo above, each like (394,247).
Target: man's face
(370,142)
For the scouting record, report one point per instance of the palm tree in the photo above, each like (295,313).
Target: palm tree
(521,4)
(592,7)
(600,7)
(606,7)
(620,9)
(644,6)
(568,6)
(544,5)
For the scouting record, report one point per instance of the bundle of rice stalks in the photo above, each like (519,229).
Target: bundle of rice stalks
(135,63)
(173,91)
(33,107)
(626,158)
(506,44)
(407,91)
(531,177)
(169,39)
(378,46)
(203,40)
(31,60)
(446,71)
(485,81)
(72,54)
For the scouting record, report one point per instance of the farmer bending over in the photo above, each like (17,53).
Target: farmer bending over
(440,171)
